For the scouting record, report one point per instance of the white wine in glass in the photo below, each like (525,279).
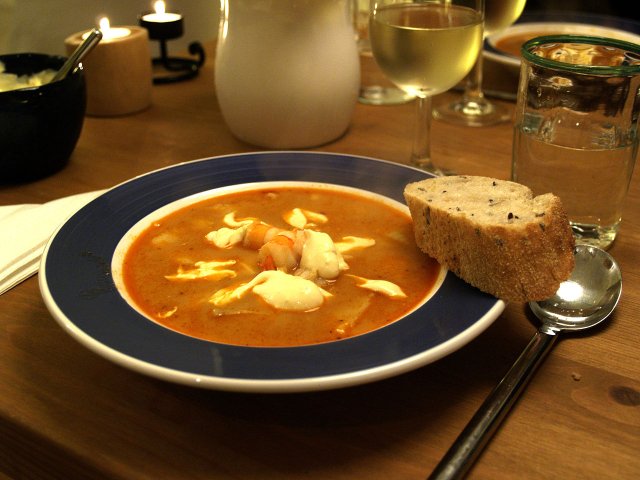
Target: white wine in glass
(425,47)
(473,109)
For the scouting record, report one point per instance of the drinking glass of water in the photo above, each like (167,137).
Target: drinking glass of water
(576,128)
(425,47)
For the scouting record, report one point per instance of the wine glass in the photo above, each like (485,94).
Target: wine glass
(425,47)
(375,87)
(473,109)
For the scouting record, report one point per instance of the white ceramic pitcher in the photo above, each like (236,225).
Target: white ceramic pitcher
(286,71)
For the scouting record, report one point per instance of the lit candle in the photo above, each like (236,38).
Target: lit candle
(117,71)
(109,33)
(162,25)
(161,15)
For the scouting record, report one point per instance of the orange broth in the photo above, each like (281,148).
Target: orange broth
(511,44)
(178,240)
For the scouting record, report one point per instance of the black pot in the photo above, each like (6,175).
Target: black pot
(39,126)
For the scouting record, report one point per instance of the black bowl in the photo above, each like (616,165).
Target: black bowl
(39,126)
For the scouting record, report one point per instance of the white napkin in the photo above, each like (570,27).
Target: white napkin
(26,229)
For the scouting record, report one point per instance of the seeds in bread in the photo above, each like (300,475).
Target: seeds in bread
(493,234)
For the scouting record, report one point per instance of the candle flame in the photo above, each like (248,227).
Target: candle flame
(104,24)
(109,32)
(159,6)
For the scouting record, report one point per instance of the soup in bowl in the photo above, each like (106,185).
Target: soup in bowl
(275,264)
(504,46)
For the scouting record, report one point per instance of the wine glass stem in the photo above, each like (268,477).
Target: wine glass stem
(473,83)
(421,154)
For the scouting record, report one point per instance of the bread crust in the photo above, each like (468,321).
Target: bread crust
(519,248)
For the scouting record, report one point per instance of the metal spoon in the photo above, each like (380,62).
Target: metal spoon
(584,300)
(79,53)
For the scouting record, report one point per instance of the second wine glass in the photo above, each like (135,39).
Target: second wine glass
(425,47)
(473,109)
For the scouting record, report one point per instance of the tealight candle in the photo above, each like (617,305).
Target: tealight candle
(161,15)
(162,25)
(118,71)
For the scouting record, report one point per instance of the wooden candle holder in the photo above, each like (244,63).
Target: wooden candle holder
(118,73)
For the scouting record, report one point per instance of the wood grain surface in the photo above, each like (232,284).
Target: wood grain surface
(67,413)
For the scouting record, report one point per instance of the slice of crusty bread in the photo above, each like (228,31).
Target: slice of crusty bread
(493,234)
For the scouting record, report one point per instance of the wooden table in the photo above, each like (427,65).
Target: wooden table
(67,413)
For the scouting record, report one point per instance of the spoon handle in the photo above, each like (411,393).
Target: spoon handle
(485,422)
(83,49)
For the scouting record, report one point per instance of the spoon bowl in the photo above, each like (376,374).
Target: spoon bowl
(584,300)
(587,297)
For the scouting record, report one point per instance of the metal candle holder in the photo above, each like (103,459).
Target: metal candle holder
(183,68)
